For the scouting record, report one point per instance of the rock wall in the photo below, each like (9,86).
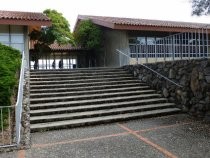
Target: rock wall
(25,122)
(192,75)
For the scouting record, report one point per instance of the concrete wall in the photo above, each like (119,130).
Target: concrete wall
(26,44)
(114,39)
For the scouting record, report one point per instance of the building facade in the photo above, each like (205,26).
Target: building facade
(15,27)
(128,41)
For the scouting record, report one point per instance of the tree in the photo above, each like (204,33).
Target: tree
(200,7)
(88,35)
(60,28)
(59,32)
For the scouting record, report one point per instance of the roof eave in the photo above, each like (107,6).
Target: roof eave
(25,22)
(95,21)
(154,28)
(103,23)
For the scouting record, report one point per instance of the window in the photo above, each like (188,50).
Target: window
(12,36)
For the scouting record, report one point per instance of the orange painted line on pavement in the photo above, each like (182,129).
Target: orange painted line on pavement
(160,127)
(21,154)
(147,141)
(78,140)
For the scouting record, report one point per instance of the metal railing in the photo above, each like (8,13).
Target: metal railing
(14,115)
(6,122)
(187,45)
(157,73)
(52,60)
(19,103)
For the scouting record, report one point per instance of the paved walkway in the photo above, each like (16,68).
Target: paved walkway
(169,136)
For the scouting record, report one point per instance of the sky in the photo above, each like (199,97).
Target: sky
(174,10)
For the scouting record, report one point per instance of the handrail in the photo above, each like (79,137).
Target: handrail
(18,106)
(166,78)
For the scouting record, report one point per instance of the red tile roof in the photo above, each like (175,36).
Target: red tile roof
(113,22)
(23,18)
(64,47)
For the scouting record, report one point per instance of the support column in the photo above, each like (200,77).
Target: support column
(146,50)
(155,50)
(173,47)
(26,46)
(207,43)
(203,43)
(188,40)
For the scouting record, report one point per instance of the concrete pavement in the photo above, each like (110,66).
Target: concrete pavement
(168,136)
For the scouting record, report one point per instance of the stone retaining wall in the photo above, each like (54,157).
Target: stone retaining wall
(25,122)
(193,75)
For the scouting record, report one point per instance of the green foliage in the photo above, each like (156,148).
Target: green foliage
(45,36)
(59,32)
(10,61)
(200,7)
(60,28)
(88,35)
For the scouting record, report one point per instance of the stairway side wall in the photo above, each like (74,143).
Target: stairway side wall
(114,39)
(193,75)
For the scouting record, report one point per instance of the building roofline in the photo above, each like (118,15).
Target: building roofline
(142,24)
(24,18)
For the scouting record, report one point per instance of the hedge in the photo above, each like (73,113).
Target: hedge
(10,61)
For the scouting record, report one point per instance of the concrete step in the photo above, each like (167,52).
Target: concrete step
(151,102)
(96,113)
(93,101)
(88,96)
(86,84)
(79,81)
(101,119)
(46,78)
(100,91)
(73,98)
(93,96)
(81,70)
(88,88)
(69,74)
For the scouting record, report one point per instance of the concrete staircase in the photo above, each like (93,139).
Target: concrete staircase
(71,98)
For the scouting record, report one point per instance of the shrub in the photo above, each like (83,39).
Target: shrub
(88,35)
(10,60)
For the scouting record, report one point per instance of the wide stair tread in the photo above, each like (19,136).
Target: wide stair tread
(101,119)
(91,73)
(79,80)
(46,78)
(81,70)
(155,101)
(99,112)
(70,93)
(85,88)
(87,84)
(73,98)
(82,97)
(94,101)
